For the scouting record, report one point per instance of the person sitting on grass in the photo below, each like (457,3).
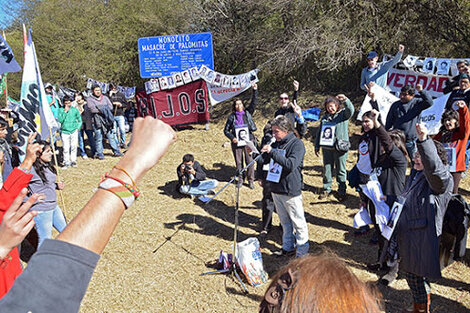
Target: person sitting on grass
(192,178)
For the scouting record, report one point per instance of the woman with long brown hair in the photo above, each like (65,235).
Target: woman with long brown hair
(320,283)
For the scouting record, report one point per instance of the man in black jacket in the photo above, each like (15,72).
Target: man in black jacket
(404,114)
(460,94)
(192,178)
(287,156)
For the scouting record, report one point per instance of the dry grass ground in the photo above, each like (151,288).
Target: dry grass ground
(154,259)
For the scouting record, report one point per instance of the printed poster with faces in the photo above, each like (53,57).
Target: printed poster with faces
(451,150)
(275,169)
(429,64)
(443,66)
(243,135)
(327,135)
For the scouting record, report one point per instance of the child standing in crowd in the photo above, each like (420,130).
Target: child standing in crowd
(454,134)
(241,119)
(44,182)
(334,149)
(71,122)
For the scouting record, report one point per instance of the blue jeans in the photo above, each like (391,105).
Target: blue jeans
(120,127)
(203,188)
(99,141)
(91,141)
(45,220)
(81,144)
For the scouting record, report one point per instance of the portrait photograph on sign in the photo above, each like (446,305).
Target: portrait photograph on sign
(451,157)
(428,66)
(210,76)
(171,82)
(244,80)
(187,77)
(275,169)
(195,73)
(243,135)
(217,80)
(163,83)
(178,78)
(327,135)
(203,71)
(235,81)
(443,67)
(226,81)
(152,86)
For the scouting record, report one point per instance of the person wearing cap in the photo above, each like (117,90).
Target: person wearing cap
(464,68)
(377,72)
(52,99)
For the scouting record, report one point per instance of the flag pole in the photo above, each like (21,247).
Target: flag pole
(6,81)
(61,195)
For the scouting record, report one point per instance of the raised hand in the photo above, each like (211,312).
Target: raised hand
(17,222)
(341,97)
(296,85)
(401,48)
(419,87)
(422,131)
(151,138)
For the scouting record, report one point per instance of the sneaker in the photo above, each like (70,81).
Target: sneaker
(283,252)
(84,156)
(65,167)
(74,164)
(123,146)
(324,195)
(117,154)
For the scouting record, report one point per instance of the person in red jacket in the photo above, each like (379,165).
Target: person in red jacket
(454,134)
(10,266)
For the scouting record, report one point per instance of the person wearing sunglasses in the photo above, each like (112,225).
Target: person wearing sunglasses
(292,111)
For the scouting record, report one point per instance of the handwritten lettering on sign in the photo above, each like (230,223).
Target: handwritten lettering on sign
(29,112)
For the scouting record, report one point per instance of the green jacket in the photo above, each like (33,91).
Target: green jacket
(341,119)
(70,121)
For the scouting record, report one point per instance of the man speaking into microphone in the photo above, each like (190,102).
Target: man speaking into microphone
(285,158)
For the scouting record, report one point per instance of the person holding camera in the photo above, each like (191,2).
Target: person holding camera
(192,178)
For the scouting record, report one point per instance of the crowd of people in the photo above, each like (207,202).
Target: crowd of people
(57,274)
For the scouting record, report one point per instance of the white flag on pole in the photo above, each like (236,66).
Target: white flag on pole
(34,112)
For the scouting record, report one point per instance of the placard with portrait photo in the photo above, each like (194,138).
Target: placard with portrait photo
(327,135)
(194,73)
(275,169)
(163,83)
(178,78)
(451,157)
(243,135)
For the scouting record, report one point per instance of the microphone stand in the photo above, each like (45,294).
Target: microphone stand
(233,266)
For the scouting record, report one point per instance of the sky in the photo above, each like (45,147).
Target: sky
(6,15)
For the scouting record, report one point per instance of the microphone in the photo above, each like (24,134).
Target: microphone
(271,141)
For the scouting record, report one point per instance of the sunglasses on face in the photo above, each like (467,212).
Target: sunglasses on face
(284,98)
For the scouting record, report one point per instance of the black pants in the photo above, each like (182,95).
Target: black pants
(267,207)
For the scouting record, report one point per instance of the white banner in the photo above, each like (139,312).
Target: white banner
(431,117)
(384,101)
(221,86)
(243,82)
(8,62)
(434,84)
